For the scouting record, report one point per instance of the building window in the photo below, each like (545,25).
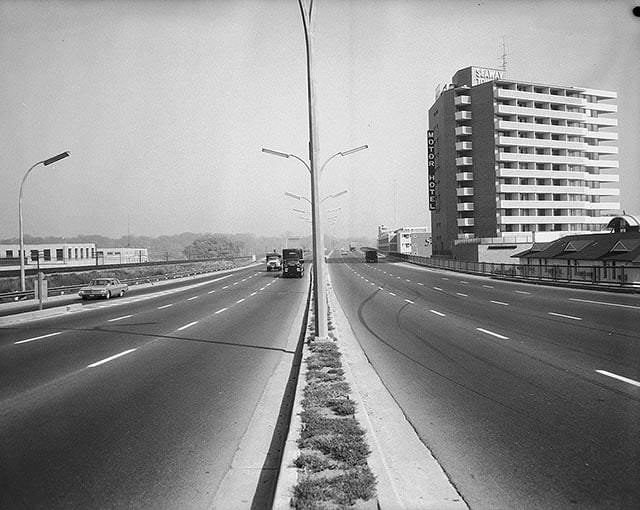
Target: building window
(47,255)
(69,253)
(59,254)
(34,255)
(76,252)
(9,254)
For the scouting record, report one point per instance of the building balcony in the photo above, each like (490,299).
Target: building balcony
(550,220)
(602,107)
(542,143)
(464,176)
(600,149)
(601,121)
(465,222)
(556,174)
(602,163)
(504,109)
(463,130)
(463,115)
(541,158)
(534,96)
(464,206)
(464,192)
(463,146)
(465,161)
(601,135)
(508,125)
(462,100)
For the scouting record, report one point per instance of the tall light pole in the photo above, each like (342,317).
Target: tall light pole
(45,162)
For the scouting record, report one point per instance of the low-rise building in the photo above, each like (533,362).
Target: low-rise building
(405,240)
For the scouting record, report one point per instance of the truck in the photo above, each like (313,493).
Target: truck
(274,261)
(292,263)
(370,256)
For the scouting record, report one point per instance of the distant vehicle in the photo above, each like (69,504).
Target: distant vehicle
(292,263)
(352,246)
(103,288)
(274,262)
(371,256)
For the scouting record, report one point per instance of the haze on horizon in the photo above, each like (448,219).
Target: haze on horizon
(165,106)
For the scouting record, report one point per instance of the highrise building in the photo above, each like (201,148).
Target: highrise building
(514,161)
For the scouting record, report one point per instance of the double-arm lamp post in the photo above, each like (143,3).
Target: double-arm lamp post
(45,162)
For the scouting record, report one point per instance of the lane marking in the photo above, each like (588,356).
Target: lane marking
(240,301)
(437,288)
(225,287)
(421,284)
(409,301)
(119,318)
(461,294)
(392,294)
(462,281)
(443,278)
(110,358)
(211,292)
(253,293)
(408,280)
(37,338)
(522,292)
(164,306)
(565,316)
(605,303)
(222,310)
(192,298)
(488,286)
(187,326)
(236,283)
(500,303)
(493,334)
(619,377)
(437,313)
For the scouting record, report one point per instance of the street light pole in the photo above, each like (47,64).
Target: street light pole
(45,162)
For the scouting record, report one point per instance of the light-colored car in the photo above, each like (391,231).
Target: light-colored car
(103,288)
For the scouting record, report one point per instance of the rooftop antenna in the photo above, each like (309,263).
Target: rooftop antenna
(502,59)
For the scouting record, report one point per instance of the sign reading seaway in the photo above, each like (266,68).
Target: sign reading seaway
(482,75)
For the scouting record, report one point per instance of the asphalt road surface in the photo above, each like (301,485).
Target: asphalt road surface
(139,402)
(529,396)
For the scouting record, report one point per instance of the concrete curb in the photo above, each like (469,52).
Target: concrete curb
(408,475)
(253,463)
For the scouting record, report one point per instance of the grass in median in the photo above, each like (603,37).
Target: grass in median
(333,450)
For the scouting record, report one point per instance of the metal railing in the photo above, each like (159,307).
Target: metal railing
(620,276)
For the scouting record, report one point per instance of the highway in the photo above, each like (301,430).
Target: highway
(141,401)
(528,396)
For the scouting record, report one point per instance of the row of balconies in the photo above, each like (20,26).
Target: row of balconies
(552,159)
(534,96)
(519,220)
(573,190)
(462,115)
(556,204)
(556,174)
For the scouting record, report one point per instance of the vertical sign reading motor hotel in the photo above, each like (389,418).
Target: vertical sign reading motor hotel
(431,166)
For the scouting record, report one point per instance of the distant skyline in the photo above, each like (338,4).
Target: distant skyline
(165,106)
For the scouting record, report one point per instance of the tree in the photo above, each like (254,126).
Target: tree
(212,247)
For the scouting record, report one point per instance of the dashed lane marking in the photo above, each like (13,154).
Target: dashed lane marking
(164,306)
(120,318)
(187,326)
(461,294)
(500,303)
(240,301)
(409,301)
(619,377)
(110,358)
(604,303)
(192,298)
(486,331)
(522,292)
(437,288)
(222,310)
(565,316)
(37,338)
(392,294)
(437,313)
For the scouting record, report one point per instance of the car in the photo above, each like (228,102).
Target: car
(103,288)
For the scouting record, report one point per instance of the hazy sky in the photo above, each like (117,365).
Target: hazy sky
(165,105)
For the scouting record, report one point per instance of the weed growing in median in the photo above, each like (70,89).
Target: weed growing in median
(333,451)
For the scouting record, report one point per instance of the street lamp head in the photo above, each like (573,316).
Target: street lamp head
(340,193)
(52,160)
(351,151)
(275,153)
(297,197)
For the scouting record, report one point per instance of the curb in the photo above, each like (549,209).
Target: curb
(409,477)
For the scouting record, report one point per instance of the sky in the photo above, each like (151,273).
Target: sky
(166,105)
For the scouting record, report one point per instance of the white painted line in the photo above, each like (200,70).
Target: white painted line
(443,278)
(566,316)
(262,288)
(211,292)
(419,283)
(409,301)
(372,284)
(380,288)
(164,306)
(437,288)
(187,326)
(488,286)
(493,334)
(221,310)
(619,377)
(236,283)
(392,293)
(120,318)
(522,292)
(500,303)
(438,313)
(604,303)
(192,298)
(110,358)
(225,287)
(461,294)
(240,301)
(253,293)
(244,279)
(462,281)
(37,338)
(408,280)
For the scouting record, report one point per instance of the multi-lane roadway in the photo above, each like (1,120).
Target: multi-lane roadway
(141,401)
(529,396)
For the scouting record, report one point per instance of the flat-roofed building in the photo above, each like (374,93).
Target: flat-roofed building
(518,162)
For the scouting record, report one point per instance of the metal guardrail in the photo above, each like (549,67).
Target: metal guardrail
(70,289)
(613,276)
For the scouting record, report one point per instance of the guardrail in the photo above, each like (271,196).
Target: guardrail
(70,289)
(627,277)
